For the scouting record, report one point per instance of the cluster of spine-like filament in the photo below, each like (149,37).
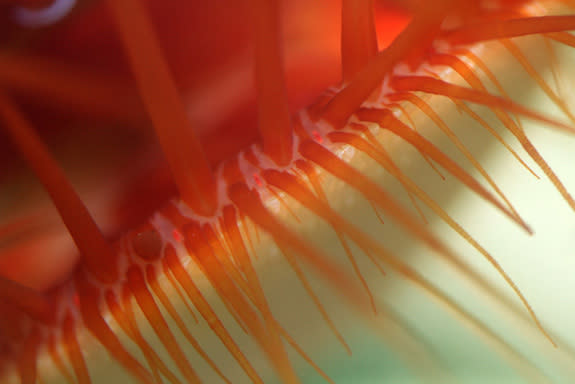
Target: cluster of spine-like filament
(205,229)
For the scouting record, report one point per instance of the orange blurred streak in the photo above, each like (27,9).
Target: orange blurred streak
(209,49)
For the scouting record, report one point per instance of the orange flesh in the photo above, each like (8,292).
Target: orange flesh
(195,181)
(420,30)
(359,36)
(32,4)
(97,253)
(273,114)
(306,78)
(188,163)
